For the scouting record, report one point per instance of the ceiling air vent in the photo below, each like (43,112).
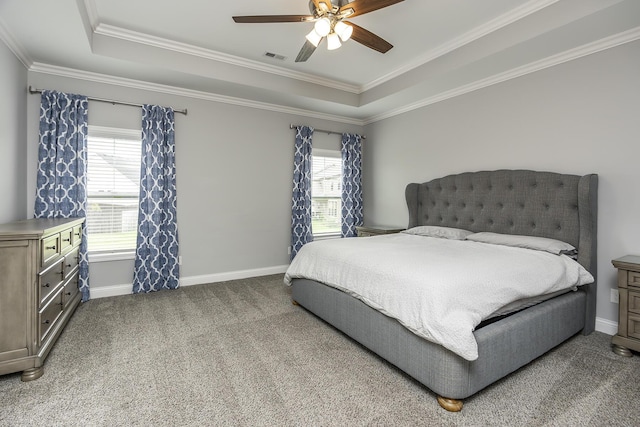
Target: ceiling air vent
(275,56)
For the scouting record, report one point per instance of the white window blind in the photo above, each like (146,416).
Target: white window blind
(113,187)
(326,192)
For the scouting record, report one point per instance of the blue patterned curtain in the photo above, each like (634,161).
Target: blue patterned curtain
(62,166)
(156,265)
(351,184)
(301,232)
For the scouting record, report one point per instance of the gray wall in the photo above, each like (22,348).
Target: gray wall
(13,159)
(579,117)
(234,172)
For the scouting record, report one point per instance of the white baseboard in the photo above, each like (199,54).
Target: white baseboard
(232,275)
(111,291)
(126,289)
(608,327)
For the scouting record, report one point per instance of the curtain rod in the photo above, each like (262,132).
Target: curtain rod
(328,132)
(109,101)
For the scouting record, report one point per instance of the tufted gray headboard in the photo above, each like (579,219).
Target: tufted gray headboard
(525,202)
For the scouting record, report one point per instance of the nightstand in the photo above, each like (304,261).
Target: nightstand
(628,336)
(366,231)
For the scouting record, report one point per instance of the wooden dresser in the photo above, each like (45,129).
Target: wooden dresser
(376,230)
(38,290)
(628,336)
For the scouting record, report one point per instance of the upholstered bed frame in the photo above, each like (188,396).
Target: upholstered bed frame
(545,204)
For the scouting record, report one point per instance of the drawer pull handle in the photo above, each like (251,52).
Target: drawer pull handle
(53,248)
(68,265)
(68,293)
(46,285)
(66,240)
(46,322)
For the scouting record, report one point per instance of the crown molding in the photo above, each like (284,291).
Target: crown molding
(569,55)
(466,38)
(188,49)
(14,46)
(576,53)
(92,12)
(136,37)
(189,93)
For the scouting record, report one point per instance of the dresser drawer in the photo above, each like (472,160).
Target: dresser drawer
(50,249)
(633,302)
(66,239)
(49,315)
(70,290)
(633,327)
(76,235)
(633,279)
(70,263)
(49,280)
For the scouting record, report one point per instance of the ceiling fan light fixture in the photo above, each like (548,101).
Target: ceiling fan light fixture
(328,17)
(314,38)
(323,26)
(333,41)
(343,30)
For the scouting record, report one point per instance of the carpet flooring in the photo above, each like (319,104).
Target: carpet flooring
(239,353)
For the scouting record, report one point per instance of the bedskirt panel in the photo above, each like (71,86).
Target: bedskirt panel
(503,346)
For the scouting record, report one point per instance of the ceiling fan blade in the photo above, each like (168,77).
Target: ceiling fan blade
(369,39)
(360,7)
(306,51)
(263,19)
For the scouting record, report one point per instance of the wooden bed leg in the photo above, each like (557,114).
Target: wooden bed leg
(294,302)
(451,405)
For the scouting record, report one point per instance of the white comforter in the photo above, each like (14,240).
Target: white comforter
(439,289)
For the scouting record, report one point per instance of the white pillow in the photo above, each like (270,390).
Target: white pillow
(529,242)
(437,231)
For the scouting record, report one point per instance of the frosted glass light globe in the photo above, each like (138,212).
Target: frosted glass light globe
(323,26)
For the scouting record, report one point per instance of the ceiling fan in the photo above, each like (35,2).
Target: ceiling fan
(330,24)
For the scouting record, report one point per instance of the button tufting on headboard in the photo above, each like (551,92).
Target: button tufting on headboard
(504,201)
(546,204)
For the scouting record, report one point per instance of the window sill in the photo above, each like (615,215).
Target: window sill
(111,256)
(326,236)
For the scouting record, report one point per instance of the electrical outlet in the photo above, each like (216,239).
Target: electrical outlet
(289,250)
(180,260)
(615,296)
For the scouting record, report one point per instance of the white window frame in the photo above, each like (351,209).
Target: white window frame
(111,132)
(320,152)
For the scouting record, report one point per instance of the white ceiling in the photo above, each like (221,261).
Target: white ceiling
(442,48)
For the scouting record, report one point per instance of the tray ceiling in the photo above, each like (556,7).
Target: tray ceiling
(442,48)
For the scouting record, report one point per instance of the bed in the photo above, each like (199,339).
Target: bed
(507,202)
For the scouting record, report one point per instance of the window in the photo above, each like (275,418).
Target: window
(113,187)
(326,192)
